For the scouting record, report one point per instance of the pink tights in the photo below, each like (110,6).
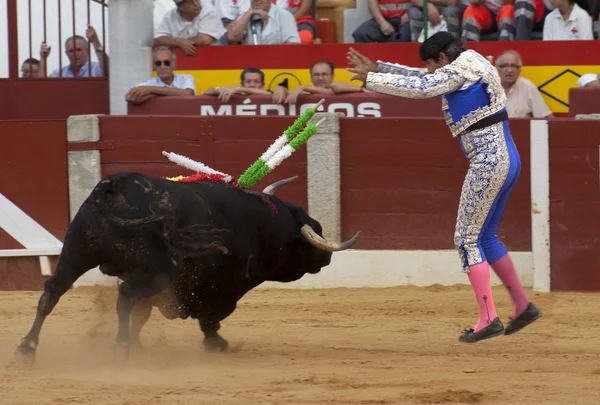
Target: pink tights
(479,277)
(505,270)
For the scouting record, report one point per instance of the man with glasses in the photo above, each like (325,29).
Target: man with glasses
(166,82)
(322,77)
(523,98)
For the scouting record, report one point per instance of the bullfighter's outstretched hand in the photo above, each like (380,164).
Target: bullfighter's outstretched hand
(361,65)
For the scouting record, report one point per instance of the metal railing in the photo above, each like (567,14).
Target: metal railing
(33,22)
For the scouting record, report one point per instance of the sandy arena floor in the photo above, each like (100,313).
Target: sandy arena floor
(335,346)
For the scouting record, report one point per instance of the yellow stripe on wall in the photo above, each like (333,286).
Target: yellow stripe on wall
(553,80)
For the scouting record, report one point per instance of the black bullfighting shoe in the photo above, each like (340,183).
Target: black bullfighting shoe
(496,328)
(528,316)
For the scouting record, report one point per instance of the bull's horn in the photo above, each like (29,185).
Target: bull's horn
(317,241)
(272,189)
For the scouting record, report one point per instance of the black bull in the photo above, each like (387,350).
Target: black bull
(190,249)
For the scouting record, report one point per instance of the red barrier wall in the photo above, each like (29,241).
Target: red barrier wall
(33,175)
(584,101)
(352,105)
(55,98)
(401,180)
(231,146)
(401,184)
(575,205)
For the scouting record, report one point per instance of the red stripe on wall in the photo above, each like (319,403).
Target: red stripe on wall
(534,53)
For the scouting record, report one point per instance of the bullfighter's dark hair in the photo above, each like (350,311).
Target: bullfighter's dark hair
(441,42)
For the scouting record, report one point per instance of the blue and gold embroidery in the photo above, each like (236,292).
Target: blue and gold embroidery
(489,164)
(468,70)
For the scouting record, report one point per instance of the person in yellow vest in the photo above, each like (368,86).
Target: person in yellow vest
(390,22)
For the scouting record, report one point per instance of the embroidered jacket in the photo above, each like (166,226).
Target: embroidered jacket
(470,88)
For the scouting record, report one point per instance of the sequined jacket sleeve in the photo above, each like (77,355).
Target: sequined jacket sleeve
(444,80)
(385,67)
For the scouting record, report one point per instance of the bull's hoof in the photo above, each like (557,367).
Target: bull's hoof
(23,358)
(215,344)
(122,351)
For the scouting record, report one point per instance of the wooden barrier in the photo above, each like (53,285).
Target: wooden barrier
(401,185)
(400,180)
(584,100)
(230,146)
(360,105)
(33,176)
(575,205)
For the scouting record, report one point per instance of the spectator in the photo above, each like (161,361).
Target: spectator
(449,9)
(30,68)
(530,16)
(567,22)
(252,81)
(390,22)
(524,99)
(589,80)
(487,16)
(322,76)
(188,25)
(275,25)
(302,12)
(76,48)
(167,83)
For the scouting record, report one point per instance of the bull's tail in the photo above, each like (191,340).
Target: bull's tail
(104,197)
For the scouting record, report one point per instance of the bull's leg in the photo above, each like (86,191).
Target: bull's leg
(210,324)
(74,261)
(139,316)
(143,284)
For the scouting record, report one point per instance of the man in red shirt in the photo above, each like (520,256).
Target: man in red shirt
(390,22)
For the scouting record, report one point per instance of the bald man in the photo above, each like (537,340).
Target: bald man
(523,98)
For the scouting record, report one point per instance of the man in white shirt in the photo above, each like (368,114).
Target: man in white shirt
(567,22)
(275,26)
(188,25)
(523,98)
(589,80)
(167,83)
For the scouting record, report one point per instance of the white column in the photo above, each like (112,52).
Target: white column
(131,31)
(540,205)
(84,173)
(323,175)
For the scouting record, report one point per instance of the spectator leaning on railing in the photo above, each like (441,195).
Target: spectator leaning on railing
(322,76)
(167,82)
(523,98)
(252,82)
(567,22)
(76,48)
(188,25)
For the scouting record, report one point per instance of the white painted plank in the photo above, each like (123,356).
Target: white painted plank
(540,205)
(23,228)
(29,252)
(45,266)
